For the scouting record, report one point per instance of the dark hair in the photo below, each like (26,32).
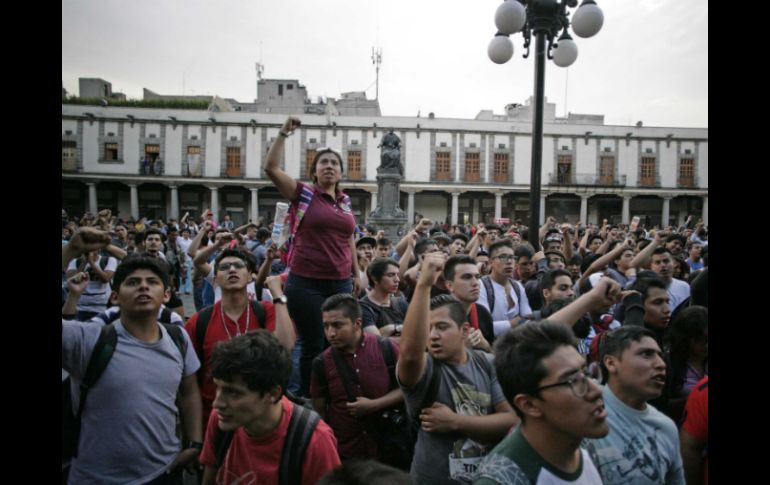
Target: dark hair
(459,235)
(138,237)
(644,283)
(131,264)
(452,262)
(248,258)
(549,278)
(383,241)
(456,309)
(262,233)
(524,251)
(500,243)
(422,245)
(615,342)
(554,306)
(575,260)
(690,323)
(345,303)
(153,230)
(377,268)
(170,229)
(493,227)
(556,253)
(587,261)
(684,268)
(661,250)
(365,472)
(257,356)
(315,162)
(519,355)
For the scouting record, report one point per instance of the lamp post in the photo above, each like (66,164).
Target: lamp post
(543,19)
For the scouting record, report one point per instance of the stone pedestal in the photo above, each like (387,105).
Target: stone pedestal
(388,215)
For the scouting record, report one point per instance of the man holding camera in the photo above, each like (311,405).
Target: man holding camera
(350,382)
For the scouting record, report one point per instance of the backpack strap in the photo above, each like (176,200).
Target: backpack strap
(516,289)
(319,370)
(301,427)
(296,214)
(347,376)
(103,260)
(487,282)
(176,335)
(100,357)
(259,311)
(165,315)
(222,442)
(386,347)
(201,325)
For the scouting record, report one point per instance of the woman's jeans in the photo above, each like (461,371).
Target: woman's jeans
(306,295)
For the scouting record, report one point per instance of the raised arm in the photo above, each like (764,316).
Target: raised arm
(414,336)
(85,240)
(264,270)
(284,329)
(285,184)
(606,292)
(644,255)
(606,259)
(566,228)
(76,285)
(200,261)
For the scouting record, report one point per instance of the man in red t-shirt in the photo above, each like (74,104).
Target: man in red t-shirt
(250,372)
(234,315)
(694,435)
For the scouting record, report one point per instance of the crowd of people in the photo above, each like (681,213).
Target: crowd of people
(568,353)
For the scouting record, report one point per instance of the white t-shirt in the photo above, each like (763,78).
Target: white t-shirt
(501,314)
(251,289)
(97,293)
(678,291)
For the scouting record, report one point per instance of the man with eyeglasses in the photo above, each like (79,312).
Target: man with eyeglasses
(235,314)
(642,446)
(559,402)
(504,297)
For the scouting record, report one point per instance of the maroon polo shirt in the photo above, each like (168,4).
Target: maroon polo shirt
(322,243)
(369,364)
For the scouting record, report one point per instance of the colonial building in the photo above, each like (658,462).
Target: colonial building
(165,162)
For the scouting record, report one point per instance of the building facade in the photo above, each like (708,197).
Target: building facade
(162,163)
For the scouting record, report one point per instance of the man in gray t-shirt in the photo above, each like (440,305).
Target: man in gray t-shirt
(469,413)
(128,428)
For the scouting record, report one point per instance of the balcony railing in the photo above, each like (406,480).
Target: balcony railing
(69,165)
(586,179)
(686,182)
(652,181)
(147,167)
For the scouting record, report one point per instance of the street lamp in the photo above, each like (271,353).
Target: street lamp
(544,19)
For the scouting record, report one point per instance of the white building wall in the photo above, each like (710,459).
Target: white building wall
(91,148)
(522,163)
(668,164)
(254,158)
(131,148)
(356,135)
(628,162)
(172,158)
(432,206)
(586,156)
(213,152)
(417,157)
(372,156)
(70,125)
(334,141)
(443,137)
(194,130)
(152,129)
(472,138)
(312,133)
(499,139)
(233,131)
(110,127)
(547,163)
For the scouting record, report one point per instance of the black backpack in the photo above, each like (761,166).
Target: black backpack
(204,316)
(301,427)
(100,357)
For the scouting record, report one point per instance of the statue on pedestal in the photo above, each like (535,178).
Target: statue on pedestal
(390,159)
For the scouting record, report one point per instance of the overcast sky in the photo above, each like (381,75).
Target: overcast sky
(649,62)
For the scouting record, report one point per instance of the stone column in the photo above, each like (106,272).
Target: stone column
(215,202)
(626,209)
(542,212)
(706,210)
(410,209)
(134,201)
(498,205)
(584,209)
(92,206)
(254,214)
(664,215)
(455,206)
(174,202)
